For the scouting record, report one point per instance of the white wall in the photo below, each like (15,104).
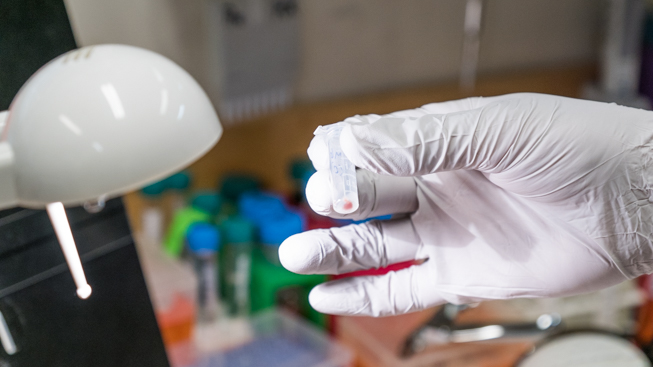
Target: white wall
(174,28)
(355,46)
(526,33)
(352,46)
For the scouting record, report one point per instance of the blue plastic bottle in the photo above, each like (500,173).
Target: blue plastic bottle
(275,230)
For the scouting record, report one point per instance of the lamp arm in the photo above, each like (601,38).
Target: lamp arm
(8,194)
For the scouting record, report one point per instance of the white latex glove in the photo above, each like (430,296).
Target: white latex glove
(522,195)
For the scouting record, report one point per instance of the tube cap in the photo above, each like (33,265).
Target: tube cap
(259,207)
(203,238)
(237,230)
(178,181)
(209,202)
(154,189)
(275,230)
(233,186)
(299,168)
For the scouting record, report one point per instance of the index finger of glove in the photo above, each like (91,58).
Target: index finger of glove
(377,195)
(355,247)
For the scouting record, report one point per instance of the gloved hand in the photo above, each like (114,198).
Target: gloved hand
(522,195)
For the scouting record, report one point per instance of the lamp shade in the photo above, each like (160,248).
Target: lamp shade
(100,121)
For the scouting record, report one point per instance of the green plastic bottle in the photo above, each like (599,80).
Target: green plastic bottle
(173,244)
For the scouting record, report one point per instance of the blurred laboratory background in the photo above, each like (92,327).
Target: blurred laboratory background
(189,274)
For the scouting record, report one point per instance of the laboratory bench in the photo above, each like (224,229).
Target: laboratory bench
(378,342)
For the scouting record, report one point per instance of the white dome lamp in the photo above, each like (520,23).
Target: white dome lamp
(95,123)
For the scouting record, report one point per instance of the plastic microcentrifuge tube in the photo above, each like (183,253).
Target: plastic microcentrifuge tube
(59,220)
(344,189)
(203,241)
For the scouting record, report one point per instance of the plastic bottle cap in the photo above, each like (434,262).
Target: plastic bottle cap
(178,181)
(154,189)
(237,230)
(208,201)
(203,238)
(233,186)
(259,207)
(299,168)
(275,230)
